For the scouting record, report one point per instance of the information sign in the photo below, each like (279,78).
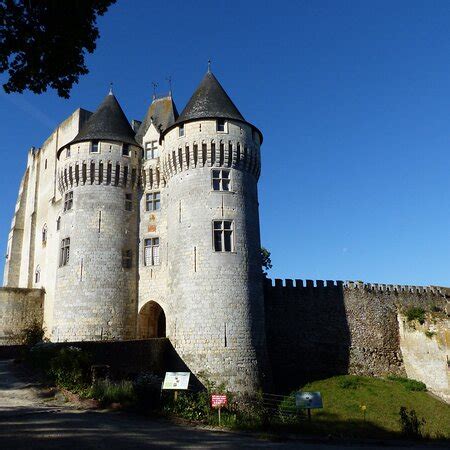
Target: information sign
(177,381)
(308,400)
(218,400)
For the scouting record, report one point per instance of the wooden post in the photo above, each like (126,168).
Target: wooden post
(219,415)
(175,395)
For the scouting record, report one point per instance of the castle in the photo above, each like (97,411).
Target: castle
(151,229)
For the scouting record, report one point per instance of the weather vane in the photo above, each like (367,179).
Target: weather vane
(169,80)
(111,88)
(209,66)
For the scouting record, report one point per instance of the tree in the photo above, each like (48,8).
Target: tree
(43,42)
(266,262)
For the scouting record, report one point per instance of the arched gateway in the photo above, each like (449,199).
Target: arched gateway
(152,321)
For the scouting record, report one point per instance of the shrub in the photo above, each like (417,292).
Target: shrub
(108,392)
(410,424)
(429,334)
(409,384)
(436,309)
(70,368)
(32,334)
(147,388)
(415,313)
(190,405)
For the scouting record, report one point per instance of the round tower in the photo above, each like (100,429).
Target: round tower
(211,163)
(96,282)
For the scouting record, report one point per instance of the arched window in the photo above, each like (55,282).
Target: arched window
(37,274)
(44,234)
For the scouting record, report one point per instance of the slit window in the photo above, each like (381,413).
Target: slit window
(37,275)
(153,201)
(127,259)
(221,180)
(223,235)
(44,234)
(151,251)
(221,125)
(68,152)
(64,252)
(95,147)
(128,202)
(181,130)
(58,223)
(68,201)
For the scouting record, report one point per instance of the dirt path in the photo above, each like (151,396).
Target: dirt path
(27,422)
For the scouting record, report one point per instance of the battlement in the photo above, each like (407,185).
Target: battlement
(357,285)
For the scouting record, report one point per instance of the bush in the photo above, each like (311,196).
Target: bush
(409,384)
(415,313)
(147,388)
(70,368)
(32,334)
(429,334)
(108,392)
(410,424)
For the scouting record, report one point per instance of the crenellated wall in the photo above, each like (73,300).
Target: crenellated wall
(320,329)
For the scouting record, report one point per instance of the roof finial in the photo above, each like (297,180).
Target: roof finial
(110,89)
(209,65)
(169,80)
(155,85)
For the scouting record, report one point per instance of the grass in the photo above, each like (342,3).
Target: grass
(108,392)
(344,397)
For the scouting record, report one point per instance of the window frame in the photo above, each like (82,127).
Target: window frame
(152,149)
(68,201)
(155,260)
(128,201)
(126,150)
(94,144)
(64,252)
(181,130)
(153,201)
(44,235)
(220,179)
(222,231)
(225,125)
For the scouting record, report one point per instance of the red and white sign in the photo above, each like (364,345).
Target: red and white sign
(218,400)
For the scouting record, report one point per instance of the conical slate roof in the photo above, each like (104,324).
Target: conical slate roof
(107,123)
(162,113)
(210,101)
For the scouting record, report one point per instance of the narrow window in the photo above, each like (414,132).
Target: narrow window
(151,150)
(221,125)
(213,153)
(68,152)
(44,234)
(125,175)
(230,153)
(77,174)
(37,274)
(84,172)
(70,176)
(223,235)
(68,201)
(128,202)
(127,259)
(65,252)
(125,150)
(181,130)
(133,176)
(204,153)
(94,147)
(186,151)
(153,201)
(100,173)
(108,173)
(92,172)
(45,166)
(195,154)
(116,180)
(151,252)
(221,180)
(221,154)
(180,158)
(58,223)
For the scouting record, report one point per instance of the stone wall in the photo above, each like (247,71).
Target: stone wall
(18,308)
(316,329)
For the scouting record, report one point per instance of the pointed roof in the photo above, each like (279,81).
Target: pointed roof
(162,113)
(210,101)
(107,123)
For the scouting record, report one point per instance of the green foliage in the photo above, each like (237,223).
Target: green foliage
(411,425)
(429,334)
(409,384)
(266,261)
(147,388)
(70,368)
(415,313)
(108,392)
(32,334)
(43,43)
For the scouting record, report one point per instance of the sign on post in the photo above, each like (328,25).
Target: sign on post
(308,400)
(218,401)
(176,381)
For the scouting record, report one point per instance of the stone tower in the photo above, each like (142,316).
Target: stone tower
(96,281)
(211,163)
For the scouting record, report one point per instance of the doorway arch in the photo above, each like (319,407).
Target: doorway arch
(152,321)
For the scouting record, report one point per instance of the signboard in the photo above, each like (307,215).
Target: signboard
(177,381)
(218,400)
(308,400)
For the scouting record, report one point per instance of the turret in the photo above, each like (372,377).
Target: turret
(211,164)
(96,281)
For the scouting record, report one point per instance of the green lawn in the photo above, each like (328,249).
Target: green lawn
(343,397)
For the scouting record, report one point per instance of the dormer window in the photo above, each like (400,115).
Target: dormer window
(181,130)
(221,125)
(94,147)
(126,150)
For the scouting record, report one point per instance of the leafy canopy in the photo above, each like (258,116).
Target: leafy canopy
(43,43)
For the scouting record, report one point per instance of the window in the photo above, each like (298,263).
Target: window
(221,125)
(37,274)
(45,164)
(221,180)
(181,130)
(68,201)
(151,252)
(94,147)
(127,259)
(68,152)
(125,150)
(58,223)
(153,201)
(223,235)
(44,234)
(151,150)
(65,252)
(128,202)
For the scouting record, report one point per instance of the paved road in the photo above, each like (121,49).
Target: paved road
(27,422)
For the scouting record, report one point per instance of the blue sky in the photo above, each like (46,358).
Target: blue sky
(353,99)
